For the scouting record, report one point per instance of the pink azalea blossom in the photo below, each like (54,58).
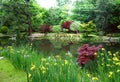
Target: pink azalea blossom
(86,53)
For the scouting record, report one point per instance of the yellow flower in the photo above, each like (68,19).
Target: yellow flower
(43,59)
(95,54)
(108,65)
(88,75)
(32,67)
(118,63)
(103,49)
(115,59)
(110,74)
(114,54)
(43,71)
(118,70)
(94,78)
(109,52)
(29,75)
(43,68)
(66,62)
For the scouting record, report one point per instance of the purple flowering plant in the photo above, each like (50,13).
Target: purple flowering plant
(86,53)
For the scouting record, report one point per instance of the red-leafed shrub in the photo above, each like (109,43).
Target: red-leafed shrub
(66,25)
(45,28)
(86,53)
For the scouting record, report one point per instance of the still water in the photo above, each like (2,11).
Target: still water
(51,47)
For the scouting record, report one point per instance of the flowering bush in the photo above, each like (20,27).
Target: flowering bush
(86,53)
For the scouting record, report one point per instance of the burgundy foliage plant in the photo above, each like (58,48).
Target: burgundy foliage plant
(66,25)
(86,53)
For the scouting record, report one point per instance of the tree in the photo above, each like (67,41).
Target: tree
(83,10)
(54,16)
(61,3)
(114,20)
(15,14)
(103,14)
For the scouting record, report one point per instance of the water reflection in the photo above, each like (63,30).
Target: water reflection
(56,47)
(50,47)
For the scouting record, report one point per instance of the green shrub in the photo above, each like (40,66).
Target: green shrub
(118,26)
(4,29)
(56,28)
(88,28)
(75,26)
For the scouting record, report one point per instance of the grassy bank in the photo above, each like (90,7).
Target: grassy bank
(9,74)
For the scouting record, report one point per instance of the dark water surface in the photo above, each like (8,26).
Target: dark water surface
(51,47)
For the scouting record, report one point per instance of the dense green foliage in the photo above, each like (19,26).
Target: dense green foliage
(88,28)
(15,14)
(83,11)
(21,15)
(75,26)
(4,29)
(56,28)
(118,26)
(104,13)
(41,68)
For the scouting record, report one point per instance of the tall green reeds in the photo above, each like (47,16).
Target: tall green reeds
(41,68)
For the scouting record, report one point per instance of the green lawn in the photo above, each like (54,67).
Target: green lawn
(9,74)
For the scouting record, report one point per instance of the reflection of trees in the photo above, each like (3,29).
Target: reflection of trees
(59,48)
(46,45)
(43,45)
(74,48)
(66,48)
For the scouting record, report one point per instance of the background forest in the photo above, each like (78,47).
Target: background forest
(14,14)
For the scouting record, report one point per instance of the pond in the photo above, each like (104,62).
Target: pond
(56,47)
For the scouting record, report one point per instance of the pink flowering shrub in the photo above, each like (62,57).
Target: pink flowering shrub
(86,53)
